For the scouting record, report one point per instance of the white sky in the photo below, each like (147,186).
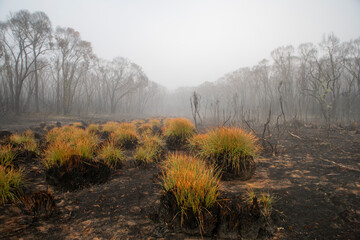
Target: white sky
(187,42)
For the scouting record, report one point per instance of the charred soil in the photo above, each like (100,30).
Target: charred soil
(314,179)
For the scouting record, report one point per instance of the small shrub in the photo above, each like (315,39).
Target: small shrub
(11,181)
(151,150)
(7,155)
(194,184)
(25,140)
(232,149)
(178,131)
(110,155)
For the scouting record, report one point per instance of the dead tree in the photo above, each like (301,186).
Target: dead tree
(195,107)
(266,139)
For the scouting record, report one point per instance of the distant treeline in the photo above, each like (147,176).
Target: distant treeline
(311,82)
(55,71)
(42,70)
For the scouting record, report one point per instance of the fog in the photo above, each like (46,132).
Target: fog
(298,60)
(186,43)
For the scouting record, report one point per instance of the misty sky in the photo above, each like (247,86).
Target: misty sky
(187,42)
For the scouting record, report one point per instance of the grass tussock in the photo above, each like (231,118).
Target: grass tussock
(77,124)
(110,126)
(265,201)
(156,125)
(127,126)
(111,155)
(124,137)
(145,128)
(150,151)
(155,122)
(197,142)
(194,184)
(25,140)
(59,133)
(137,122)
(11,181)
(7,155)
(68,141)
(93,128)
(227,147)
(178,131)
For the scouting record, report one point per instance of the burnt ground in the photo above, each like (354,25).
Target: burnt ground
(315,180)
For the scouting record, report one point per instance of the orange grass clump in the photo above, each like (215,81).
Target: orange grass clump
(68,141)
(145,128)
(11,180)
(110,126)
(76,124)
(93,128)
(150,151)
(167,122)
(122,134)
(156,125)
(127,126)
(197,141)
(177,131)
(25,140)
(194,184)
(124,137)
(226,147)
(7,155)
(155,122)
(111,155)
(137,121)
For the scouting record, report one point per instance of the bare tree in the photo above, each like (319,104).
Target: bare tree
(121,78)
(39,33)
(324,74)
(72,59)
(195,107)
(21,47)
(284,66)
(351,63)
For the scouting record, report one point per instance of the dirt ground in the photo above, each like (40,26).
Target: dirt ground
(314,179)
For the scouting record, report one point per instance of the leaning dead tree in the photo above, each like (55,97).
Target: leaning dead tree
(266,138)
